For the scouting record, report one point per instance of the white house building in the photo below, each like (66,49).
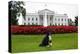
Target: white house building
(45,17)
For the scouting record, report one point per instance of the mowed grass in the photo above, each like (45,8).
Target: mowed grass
(30,43)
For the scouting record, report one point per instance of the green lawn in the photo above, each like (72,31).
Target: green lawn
(30,43)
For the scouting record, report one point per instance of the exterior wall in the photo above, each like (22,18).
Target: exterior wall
(60,20)
(32,20)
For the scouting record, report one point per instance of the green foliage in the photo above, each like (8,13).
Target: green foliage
(76,21)
(70,22)
(15,8)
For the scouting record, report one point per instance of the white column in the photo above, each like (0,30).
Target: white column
(45,20)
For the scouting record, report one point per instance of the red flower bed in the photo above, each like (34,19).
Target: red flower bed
(42,30)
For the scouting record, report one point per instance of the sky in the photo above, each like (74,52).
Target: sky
(60,8)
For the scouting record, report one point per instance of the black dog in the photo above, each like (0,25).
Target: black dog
(47,40)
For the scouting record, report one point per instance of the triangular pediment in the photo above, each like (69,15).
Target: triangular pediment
(46,10)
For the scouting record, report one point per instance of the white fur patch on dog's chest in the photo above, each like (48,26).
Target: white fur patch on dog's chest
(50,37)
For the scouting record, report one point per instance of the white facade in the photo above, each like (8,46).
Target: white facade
(46,18)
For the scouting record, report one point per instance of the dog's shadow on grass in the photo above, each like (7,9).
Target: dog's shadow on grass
(47,48)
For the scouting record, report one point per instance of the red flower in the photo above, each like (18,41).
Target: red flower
(41,29)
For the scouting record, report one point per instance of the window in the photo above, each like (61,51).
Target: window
(28,19)
(55,24)
(65,19)
(36,18)
(32,23)
(62,24)
(59,24)
(24,23)
(36,23)
(28,23)
(50,24)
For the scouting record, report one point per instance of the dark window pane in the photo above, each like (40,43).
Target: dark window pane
(32,23)
(36,19)
(28,18)
(36,24)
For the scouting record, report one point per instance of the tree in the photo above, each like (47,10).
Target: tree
(76,20)
(70,22)
(15,8)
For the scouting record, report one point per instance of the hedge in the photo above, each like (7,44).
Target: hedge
(42,29)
